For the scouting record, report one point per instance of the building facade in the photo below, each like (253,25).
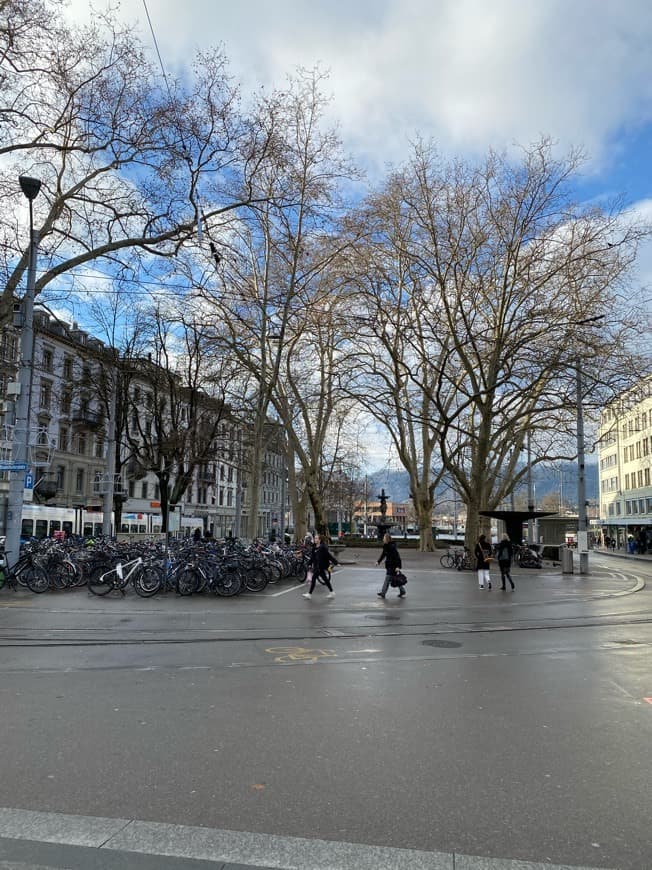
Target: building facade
(625,466)
(68,448)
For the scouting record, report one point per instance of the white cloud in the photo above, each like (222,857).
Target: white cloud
(472,73)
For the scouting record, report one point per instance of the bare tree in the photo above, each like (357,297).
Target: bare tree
(500,269)
(123,158)
(275,254)
(176,406)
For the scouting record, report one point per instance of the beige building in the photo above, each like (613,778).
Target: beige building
(625,456)
(67,449)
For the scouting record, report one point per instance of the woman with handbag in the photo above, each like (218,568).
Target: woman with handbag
(483,561)
(320,562)
(393,565)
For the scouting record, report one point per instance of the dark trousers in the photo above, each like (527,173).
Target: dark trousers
(323,573)
(505,565)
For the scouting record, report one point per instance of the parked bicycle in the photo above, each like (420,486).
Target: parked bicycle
(108,578)
(461,560)
(24,572)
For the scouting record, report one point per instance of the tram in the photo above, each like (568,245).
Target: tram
(45,521)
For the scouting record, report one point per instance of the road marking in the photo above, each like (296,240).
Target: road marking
(300,654)
(285,591)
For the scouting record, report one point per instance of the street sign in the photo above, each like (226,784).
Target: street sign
(28,487)
(8,465)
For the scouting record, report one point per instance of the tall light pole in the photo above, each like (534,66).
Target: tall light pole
(31,188)
(582,524)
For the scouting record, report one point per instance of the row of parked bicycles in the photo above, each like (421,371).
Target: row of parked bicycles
(525,556)
(224,568)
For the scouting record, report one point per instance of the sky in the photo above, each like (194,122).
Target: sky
(471,74)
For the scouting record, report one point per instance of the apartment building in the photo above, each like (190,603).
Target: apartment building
(625,464)
(68,440)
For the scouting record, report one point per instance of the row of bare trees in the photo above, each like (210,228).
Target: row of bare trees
(448,303)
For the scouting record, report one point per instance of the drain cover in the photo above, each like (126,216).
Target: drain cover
(443,644)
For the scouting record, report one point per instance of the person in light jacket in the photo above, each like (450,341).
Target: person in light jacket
(392,559)
(483,561)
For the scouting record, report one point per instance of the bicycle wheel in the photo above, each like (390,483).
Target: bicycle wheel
(187,581)
(36,579)
(62,575)
(228,583)
(255,580)
(447,561)
(148,581)
(100,579)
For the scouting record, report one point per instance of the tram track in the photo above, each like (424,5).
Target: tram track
(144,637)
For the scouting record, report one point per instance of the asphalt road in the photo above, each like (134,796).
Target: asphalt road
(484,723)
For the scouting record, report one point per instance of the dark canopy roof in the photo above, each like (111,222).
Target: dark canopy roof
(514,520)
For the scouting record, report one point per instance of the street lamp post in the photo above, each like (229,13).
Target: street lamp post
(582,523)
(30,188)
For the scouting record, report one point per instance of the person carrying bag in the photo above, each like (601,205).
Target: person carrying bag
(393,565)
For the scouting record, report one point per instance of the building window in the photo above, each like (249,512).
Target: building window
(99,447)
(627,481)
(229,498)
(67,368)
(48,360)
(221,496)
(63,438)
(45,396)
(640,479)
(143,489)
(79,481)
(66,401)
(641,506)
(647,477)
(618,508)
(132,488)
(9,346)
(81,444)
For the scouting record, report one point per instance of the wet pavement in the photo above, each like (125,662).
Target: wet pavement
(506,726)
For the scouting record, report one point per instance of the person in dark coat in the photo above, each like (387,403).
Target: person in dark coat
(320,561)
(505,556)
(483,561)
(392,559)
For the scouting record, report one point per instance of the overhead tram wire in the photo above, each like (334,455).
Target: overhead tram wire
(202,217)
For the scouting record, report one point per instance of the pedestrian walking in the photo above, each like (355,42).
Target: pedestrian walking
(320,562)
(483,561)
(505,556)
(392,558)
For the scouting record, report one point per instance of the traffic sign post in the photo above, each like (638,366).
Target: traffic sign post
(28,487)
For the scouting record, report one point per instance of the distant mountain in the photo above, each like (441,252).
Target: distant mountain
(547,481)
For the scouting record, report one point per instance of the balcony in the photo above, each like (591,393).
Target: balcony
(83,419)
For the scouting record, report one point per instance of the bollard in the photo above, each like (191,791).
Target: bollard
(566,560)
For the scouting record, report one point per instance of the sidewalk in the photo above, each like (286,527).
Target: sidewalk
(32,840)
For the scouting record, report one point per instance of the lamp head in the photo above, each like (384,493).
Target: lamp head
(29,186)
